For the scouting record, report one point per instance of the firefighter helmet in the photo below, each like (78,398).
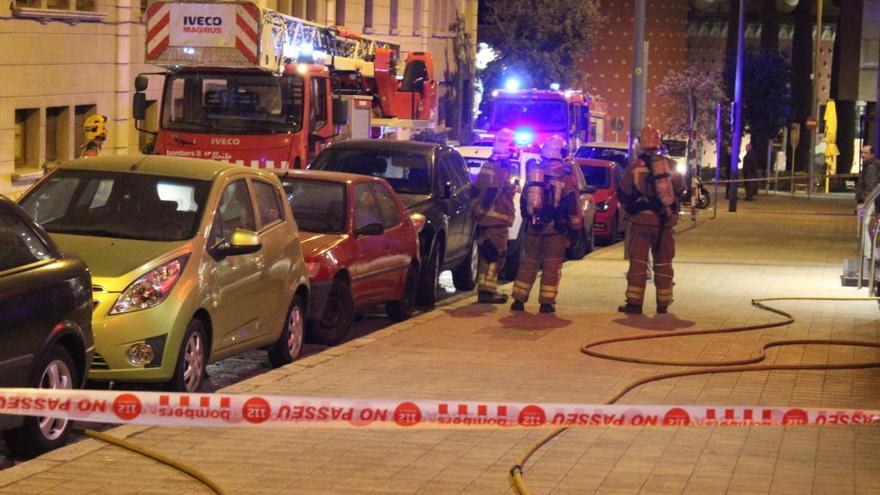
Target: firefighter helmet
(553,148)
(649,138)
(94,127)
(505,143)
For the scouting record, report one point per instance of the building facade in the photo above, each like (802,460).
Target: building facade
(63,60)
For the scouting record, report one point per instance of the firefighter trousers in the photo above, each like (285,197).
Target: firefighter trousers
(659,241)
(543,252)
(487,270)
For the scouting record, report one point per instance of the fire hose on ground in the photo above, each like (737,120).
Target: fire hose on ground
(706,367)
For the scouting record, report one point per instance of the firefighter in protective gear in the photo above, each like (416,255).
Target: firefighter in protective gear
(651,189)
(553,218)
(95,128)
(494,212)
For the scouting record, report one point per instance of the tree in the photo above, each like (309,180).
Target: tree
(766,93)
(687,87)
(538,42)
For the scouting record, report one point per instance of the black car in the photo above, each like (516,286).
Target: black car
(431,179)
(45,325)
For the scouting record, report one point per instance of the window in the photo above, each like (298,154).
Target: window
(235,212)
(417,16)
(57,9)
(366,211)
(318,104)
(393,16)
(268,203)
(458,168)
(368,14)
(57,148)
(340,12)
(387,206)
(27,133)
(318,206)
(19,246)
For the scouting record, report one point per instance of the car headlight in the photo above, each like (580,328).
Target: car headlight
(603,205)
(151,288)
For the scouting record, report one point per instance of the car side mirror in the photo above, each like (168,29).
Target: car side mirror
(139,106)
(241,242)
(374,228)
(447,190)
(340,112)
(140,83)
(589,189)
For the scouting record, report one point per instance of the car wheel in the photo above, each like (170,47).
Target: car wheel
(290,342)
(579,250)
(403,308)
(192,360)
(464,277)
(335,324)
(38,435)
(430,278)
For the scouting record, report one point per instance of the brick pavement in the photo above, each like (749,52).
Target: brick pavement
(775,246)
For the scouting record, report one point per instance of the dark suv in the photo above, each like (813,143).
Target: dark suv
(432,180)
(45,325)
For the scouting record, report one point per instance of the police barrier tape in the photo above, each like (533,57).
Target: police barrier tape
(153,408)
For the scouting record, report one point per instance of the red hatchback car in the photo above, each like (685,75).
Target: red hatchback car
(360,247)
(604,175)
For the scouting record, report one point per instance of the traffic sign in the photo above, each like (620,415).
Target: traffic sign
(811,122)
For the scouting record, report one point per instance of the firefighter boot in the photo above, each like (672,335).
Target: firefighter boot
(517,306)
(631,309)
(486,297)
(547,308)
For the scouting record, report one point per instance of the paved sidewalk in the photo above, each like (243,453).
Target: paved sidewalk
(773,247)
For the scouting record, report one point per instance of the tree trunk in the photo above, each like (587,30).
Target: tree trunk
(769,26)
(801,86)
(769,43)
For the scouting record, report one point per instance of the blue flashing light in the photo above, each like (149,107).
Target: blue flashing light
(555,86)
(524,137)
(511,84)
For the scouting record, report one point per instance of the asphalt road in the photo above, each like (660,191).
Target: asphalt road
(243,366)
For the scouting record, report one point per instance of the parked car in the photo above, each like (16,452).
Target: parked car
(586,239)
(616,152)
(604,175)
(431,180)
(45,325)
(360,246)
(193,261)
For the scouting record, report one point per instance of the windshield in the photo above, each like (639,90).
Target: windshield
(408,173)
(232,103)
(597,176)
(318,206)
(613,154)
(540,115)
(675,147)
(120,205)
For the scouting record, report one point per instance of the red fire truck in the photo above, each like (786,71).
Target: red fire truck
(535,115)
(249,85)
